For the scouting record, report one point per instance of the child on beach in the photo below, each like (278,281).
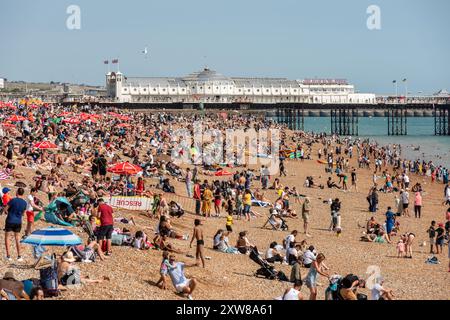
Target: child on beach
(440,235)
(229,221)
(162,282)
(432,235)
(400,249)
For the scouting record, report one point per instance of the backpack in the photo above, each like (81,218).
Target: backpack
(48,278)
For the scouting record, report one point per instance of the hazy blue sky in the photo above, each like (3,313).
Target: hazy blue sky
(284,38)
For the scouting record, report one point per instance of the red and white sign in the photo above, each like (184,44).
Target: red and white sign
(131,203)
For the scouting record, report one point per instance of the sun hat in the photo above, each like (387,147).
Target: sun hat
(9,276)
(68,257)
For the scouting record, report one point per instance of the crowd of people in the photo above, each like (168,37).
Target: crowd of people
(68,152)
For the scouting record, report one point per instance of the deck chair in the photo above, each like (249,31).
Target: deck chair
(42,260)
(269,221)
(260,203)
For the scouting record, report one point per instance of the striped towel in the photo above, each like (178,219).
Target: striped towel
(3,175)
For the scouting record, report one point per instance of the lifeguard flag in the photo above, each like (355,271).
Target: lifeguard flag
(115,61)
(106,62)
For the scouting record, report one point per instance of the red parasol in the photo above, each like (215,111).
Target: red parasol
(16,118)
(64,114)
(125,168)
(222,173)
(124,125)
(72,121)
(124,118)
(8,125)
(45,145)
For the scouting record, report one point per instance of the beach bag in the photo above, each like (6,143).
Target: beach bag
(48,278)
(432,260)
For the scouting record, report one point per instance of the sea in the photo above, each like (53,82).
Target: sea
(420,134)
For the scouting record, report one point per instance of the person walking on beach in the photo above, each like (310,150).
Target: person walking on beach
(31,208)
(207,200)
(354,179)
(417,204)
(15,210)
(447,194)
(335,215)
(198,235)
(247,201)
(306,209)
(282,169)
(432,235)
(264,177)
(440,237)
(105,214)
(197,197)
(373,199)
(390,221)
(404,198)
(188,181)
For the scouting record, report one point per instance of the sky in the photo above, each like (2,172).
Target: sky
(295,39)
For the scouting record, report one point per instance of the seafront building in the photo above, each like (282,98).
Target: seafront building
(209,86)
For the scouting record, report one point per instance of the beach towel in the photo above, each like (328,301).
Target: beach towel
(432,260)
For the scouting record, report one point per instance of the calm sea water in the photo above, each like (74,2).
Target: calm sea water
(420,133)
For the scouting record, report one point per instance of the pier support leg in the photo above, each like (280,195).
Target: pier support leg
(344,120)
(397,121)
(442,120)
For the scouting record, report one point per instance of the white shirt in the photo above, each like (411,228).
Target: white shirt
(405,197)
(292,294)
(308,257)
(269,253)
(376,291)
(290,238)
(30,201)
(406,178)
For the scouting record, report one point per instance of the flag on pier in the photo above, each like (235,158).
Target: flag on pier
(106,62)
(115,61)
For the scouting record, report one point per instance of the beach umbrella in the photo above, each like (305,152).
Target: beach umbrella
(16,118)
(72,121)
(52,236)
(8,125)
(64,114)
(124,125)
(124,118)
(45,145)
(222,173)
(125,168)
